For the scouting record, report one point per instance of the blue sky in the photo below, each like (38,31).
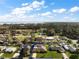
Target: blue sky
(37,11)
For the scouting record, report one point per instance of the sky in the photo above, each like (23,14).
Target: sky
(39,11)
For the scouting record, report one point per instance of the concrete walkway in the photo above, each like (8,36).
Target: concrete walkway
(65,56)
(34,55)
(15,55)
(1,54)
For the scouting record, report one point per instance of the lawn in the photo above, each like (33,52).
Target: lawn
(55,54)
(7,55)
(20,37)
(69,54)
(49,54)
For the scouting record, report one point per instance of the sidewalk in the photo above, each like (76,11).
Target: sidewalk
(34,55)
(1,54)
(65,56)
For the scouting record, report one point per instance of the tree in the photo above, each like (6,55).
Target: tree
(69,41)
(78,41)
(74,45)
(75,56)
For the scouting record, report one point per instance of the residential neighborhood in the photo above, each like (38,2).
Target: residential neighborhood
(29,43)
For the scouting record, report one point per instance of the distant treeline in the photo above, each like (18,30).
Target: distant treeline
(70,30)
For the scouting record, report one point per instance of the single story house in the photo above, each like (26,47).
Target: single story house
(66,47)
(49,39)
(56,48)
(10,49)
(39,48)
(71,48)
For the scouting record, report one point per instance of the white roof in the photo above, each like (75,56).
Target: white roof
(66,47)
(35,47)
(71,47)
(49,38)
(11,49)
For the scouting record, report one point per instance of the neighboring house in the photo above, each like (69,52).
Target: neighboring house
(1,42)
(66,47)
(61,43)
(72,49)
(39,39)
(10,49)
(56,48)
(49,39)
(42,33)
(26,50)
(69,47)
(39,48)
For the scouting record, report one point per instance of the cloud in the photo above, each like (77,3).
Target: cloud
(21,14)
(24,4)
(62,10)
(74,9)
(69,19)
(29,13)
(66,17)
(45,7)
(35,5)
(46,14)
(22,10)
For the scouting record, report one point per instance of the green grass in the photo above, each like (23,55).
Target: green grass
(49,54)
(69,54)
(56,54)
(44,55)
(7,55)
(21,37)
(37,33)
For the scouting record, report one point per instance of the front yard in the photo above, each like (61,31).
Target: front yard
(49,54)
(7,55)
